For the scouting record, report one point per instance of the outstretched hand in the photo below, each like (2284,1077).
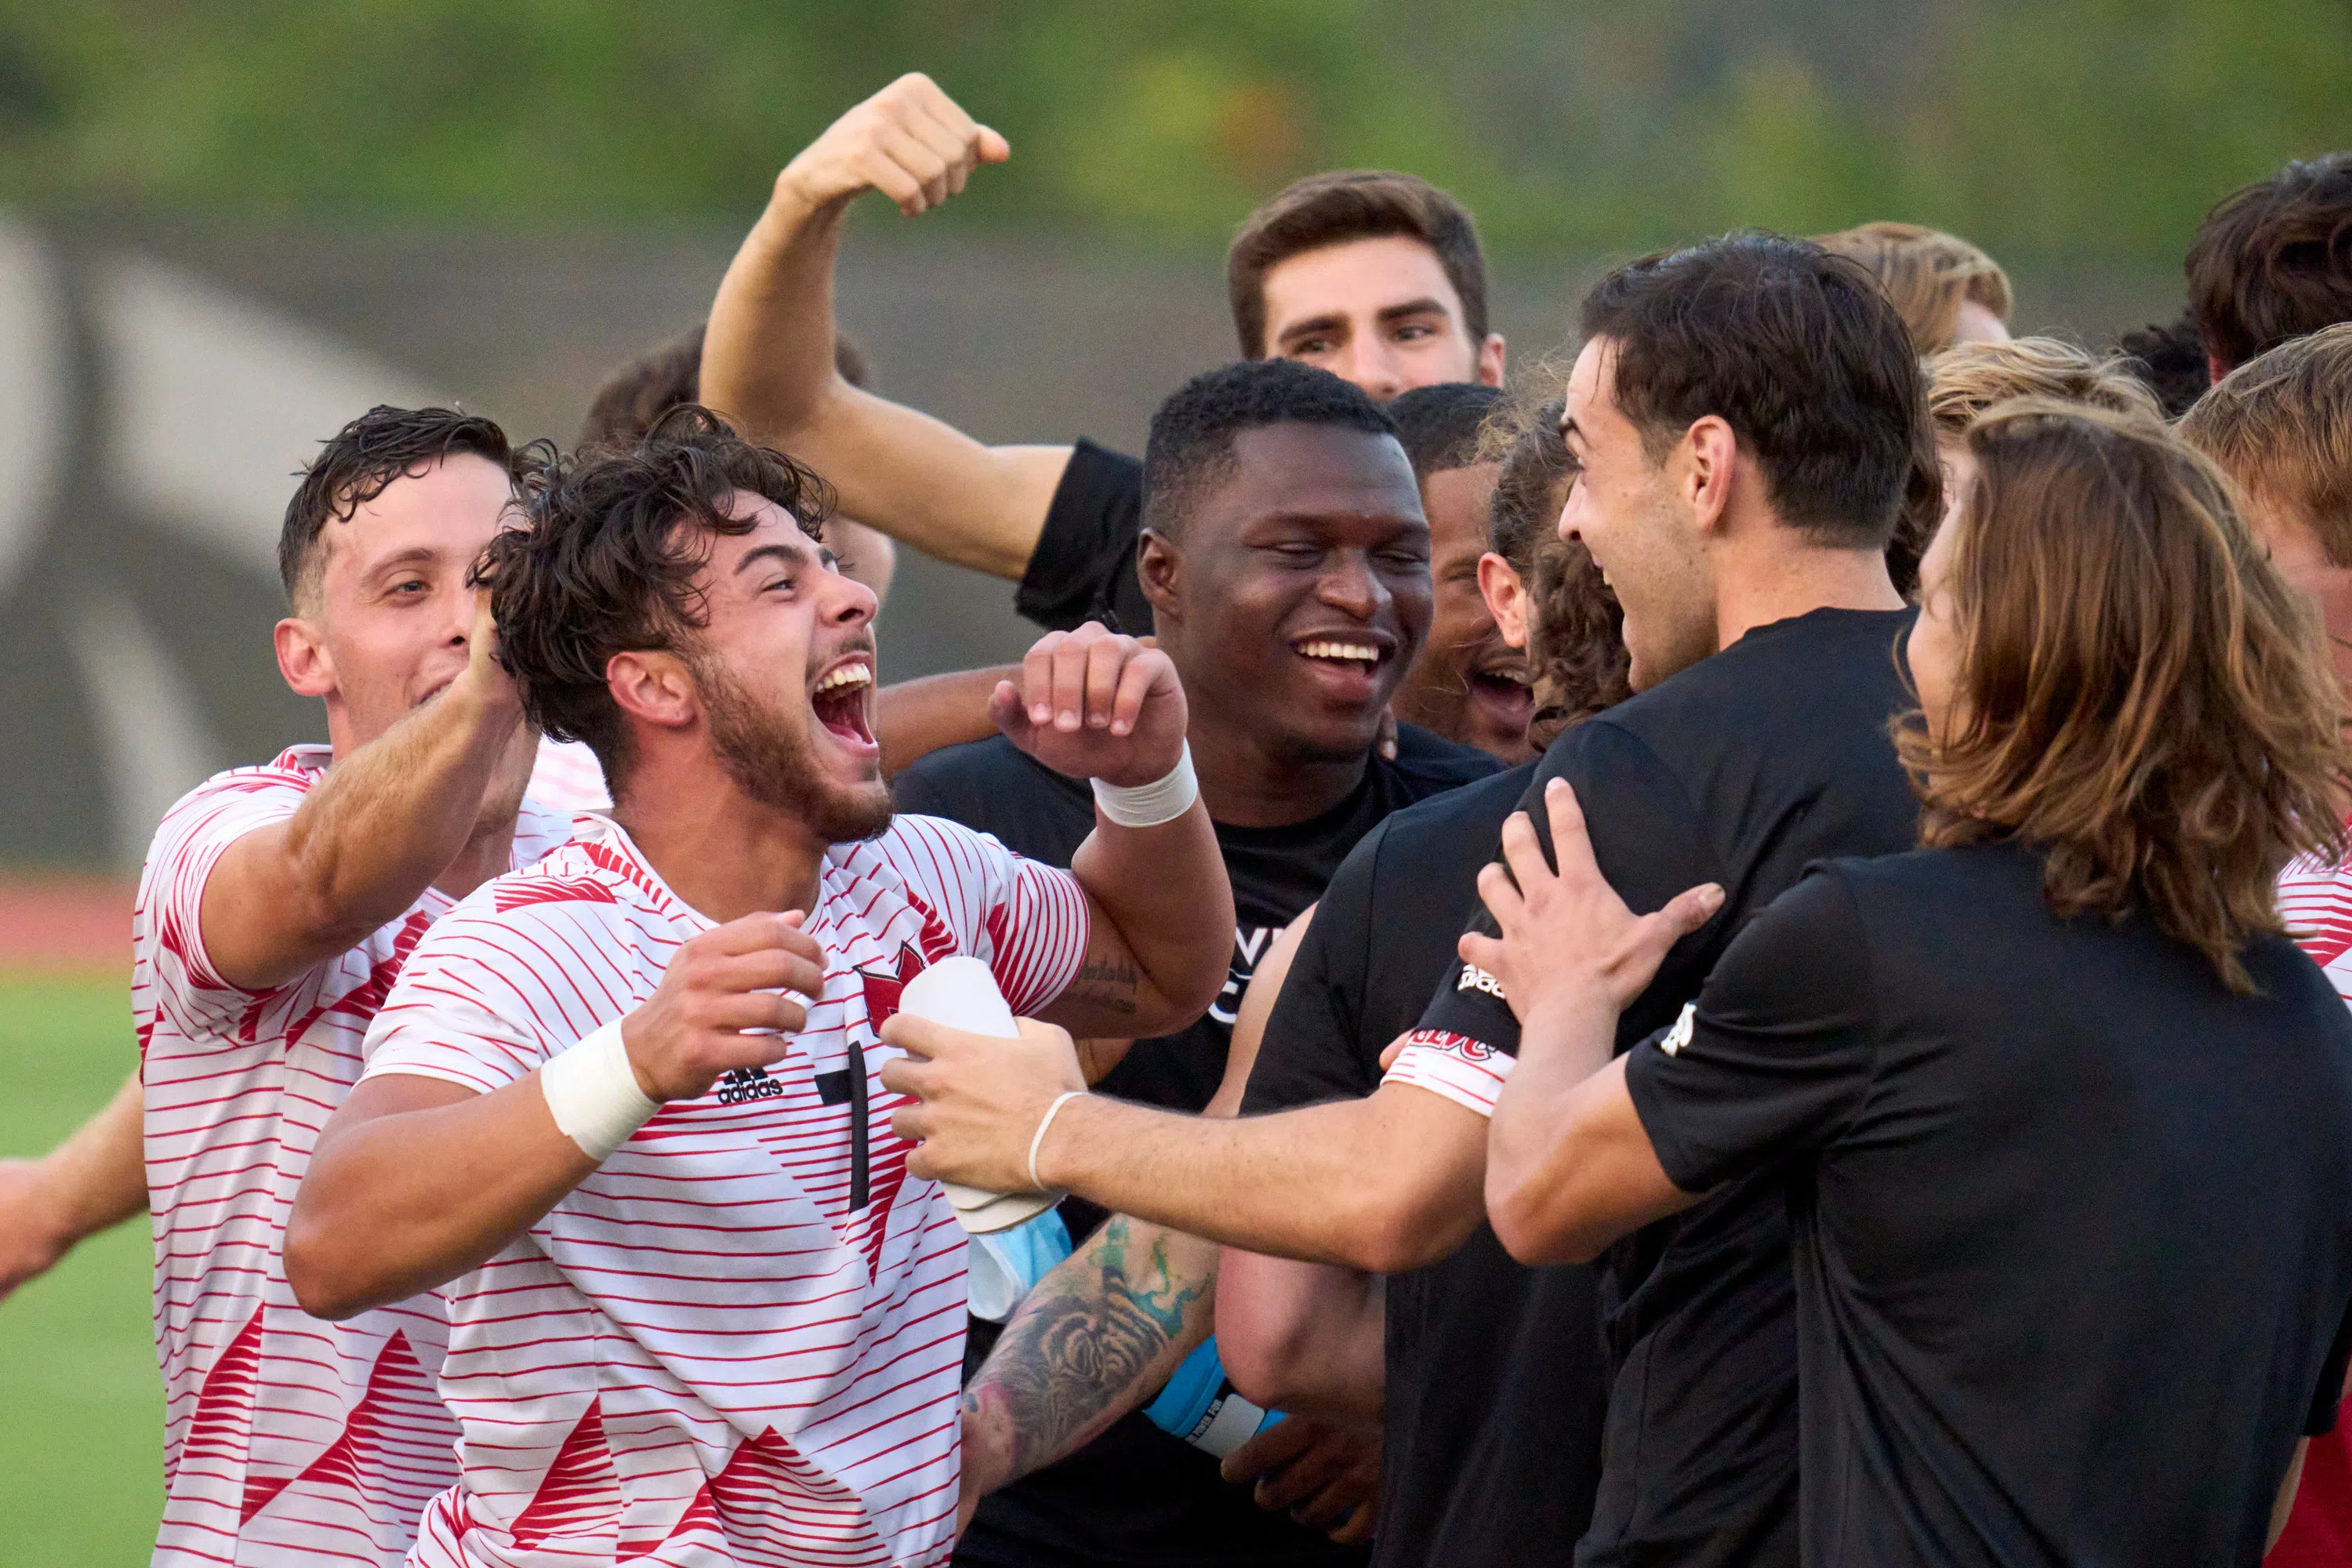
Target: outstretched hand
(1566,934)
(1093,704)
(911,142)
(975,1101)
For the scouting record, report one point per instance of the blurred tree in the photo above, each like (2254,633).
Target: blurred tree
(2043,129)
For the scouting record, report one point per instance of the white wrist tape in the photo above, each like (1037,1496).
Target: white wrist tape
(1037,1183)
(594,1093)
(1149,805)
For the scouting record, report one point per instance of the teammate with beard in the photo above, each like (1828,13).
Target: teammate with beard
(622,1103)
(275,908)
(1748,419)
(1287,562)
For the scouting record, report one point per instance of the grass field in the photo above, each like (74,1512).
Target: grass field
(81,1408)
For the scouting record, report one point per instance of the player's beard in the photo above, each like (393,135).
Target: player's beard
(769,758)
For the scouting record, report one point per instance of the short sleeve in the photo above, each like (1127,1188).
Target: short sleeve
(1775,1057)
(1647,846)
(195,834)
(1314,1047)
(1029,921)
(458,1011)
(2327,1396)
(1082,567)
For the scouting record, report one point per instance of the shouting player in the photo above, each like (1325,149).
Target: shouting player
(624,1103)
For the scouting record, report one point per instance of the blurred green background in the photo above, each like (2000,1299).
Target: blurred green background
(2053,132)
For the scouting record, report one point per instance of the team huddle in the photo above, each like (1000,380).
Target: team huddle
(1738,955)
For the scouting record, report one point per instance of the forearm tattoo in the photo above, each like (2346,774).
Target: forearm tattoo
(1081,1351)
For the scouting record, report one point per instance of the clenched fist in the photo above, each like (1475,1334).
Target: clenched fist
(719,988)
(911,142)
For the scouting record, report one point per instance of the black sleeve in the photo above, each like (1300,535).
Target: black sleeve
(914,792)
(1314,1048)
(1084,566)
(2328,1397)
(1777,1052)
(1646,839)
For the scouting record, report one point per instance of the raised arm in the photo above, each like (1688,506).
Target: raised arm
(93,1181)
(415,1180)
(767,359)
(385,825)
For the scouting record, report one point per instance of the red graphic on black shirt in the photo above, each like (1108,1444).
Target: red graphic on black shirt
(883,988)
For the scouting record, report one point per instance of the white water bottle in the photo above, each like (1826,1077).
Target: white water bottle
(961,993)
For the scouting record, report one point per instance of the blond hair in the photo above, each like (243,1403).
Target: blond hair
(1968,378)
(2281,425)
(1927,273)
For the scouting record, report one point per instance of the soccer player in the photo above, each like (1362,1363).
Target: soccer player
(275,908)
(2281,425)
(2271,262)
(1287,561)
(2098,1171)
(622,1103)
(1468,684)
(1748,419)
(1378,278)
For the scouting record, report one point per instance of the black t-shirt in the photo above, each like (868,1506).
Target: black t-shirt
(1136,1495)
(1084,566)
(1740,770)
(1497,1383)
(2068,1218)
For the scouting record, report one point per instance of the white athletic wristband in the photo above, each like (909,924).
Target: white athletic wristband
(594,1093)
(1037,1183)
(1149,805)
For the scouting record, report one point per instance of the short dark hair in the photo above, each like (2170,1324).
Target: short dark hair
(361,461)
(2170,360)
(605,561)
(1352,203)
(1440,424)
(670,376)
(1798,350)
(2273,260)
(1191,440)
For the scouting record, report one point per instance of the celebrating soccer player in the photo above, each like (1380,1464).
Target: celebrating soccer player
(624,1104)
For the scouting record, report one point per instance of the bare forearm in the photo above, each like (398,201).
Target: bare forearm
(912,719)
(99,1174)
(1303,1337)
(1162,891)
(1096,1338)
(768,353)
(400,1200)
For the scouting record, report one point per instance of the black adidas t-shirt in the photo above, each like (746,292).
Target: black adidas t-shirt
(1084,566)
(1136,1495)
(1740,770)
(2069,1218)
(1497,1383)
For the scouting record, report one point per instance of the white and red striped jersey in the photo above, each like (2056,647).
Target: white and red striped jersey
(566,776)
(739,1340)
(2315,902)
(286,1439)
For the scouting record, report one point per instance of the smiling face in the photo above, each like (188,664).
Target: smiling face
(1469,685)
(1641,535)
(384,616)
(784,671)
(1299,590)
(1380,313)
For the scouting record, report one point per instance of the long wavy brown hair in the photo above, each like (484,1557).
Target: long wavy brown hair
(2139,695)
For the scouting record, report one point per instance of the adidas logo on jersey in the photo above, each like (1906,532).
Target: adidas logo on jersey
(1477,979)
(738,1085)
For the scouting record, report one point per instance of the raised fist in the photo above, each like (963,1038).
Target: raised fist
(723,984)
(911,142)
(1092,704)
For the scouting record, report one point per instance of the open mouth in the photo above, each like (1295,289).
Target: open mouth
(839,701)
(1351,654)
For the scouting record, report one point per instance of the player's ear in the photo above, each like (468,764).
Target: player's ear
(303,659)
(1506,599)
(653,686)
(1159,566)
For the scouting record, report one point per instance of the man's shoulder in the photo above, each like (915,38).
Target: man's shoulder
(1427,764)
(1454,811)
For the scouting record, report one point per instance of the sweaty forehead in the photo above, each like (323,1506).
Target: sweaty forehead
(1310,471)
(449,512)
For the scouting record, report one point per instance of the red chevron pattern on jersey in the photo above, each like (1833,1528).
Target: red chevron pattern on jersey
(2316,902)
(287,1439)
(704,1355)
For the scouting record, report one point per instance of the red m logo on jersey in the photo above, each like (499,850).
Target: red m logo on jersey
(883,988)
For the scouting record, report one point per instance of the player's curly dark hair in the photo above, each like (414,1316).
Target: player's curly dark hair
(1191,441)
(359,462)
(606,558)
(2273,260)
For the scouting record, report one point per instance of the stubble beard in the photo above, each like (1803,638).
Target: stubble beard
(768,758)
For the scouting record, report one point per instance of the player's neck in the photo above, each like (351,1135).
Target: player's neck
(1776,582)
(1247,782)
(726,855)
